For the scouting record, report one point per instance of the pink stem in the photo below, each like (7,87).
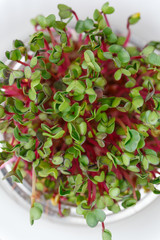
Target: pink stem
(59,209)
(8,162)
(103,227)
(136,57)
(89,191)
(128,36)
(51,36)
(75,14)
(24,64)
(93,193)
(106,19)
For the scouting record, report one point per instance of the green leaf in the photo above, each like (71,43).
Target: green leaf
(152,159)
(58,134)
(107,31)
(114,192)
(106,235)
(96,14)
(84,160)
(77,86)
(156,180)
(17,177)
(100,82)
(35,212)
(30,143)
(104,201)
(100,178)
(112,38)
(2,112)
(89,57)
(90,60)
(147,50)
(133,168)
(115,208)
(20,137)
(18,43)
(137,102)
(118,75)
(154,59)
(145,163)
(151,117)
(64,11)
(11,79)
(15,55)
(18,74)
(129,202)
(50,20)
(91,219)
(19,105)
(124,56)
(57,160)
(108,55)
(114,48)
(106,9)
(72,114)
(32,94)
(126,158)
(73,132)
(100,215)
(79,26)
(78,182)
(88,24)
(42,21)
(33,62)
(92,94)
(121,52)
(132,140)
(82,128)
(30,155)
(134,18)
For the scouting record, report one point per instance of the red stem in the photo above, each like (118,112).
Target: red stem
(128,36)
(93,192)
(103,227)
(24,64)
(106,19)
(51,36)
(16,164)
(89,191)
(59,209)
(136,57)
(75,14)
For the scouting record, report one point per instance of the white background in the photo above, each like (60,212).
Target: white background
(15,18)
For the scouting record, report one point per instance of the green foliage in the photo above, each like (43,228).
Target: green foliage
(64,11)
(35,212)
(90,61)
(154,59)
(107,9)
(95,216)
(134,18)
(79,109)
(106,235)
(132,140)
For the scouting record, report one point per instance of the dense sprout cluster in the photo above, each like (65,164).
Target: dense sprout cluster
(80,115)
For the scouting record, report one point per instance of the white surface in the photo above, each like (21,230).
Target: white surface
(15,16)
(14,23)
(14,224)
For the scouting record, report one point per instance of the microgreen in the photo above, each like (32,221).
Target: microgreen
(82,115)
